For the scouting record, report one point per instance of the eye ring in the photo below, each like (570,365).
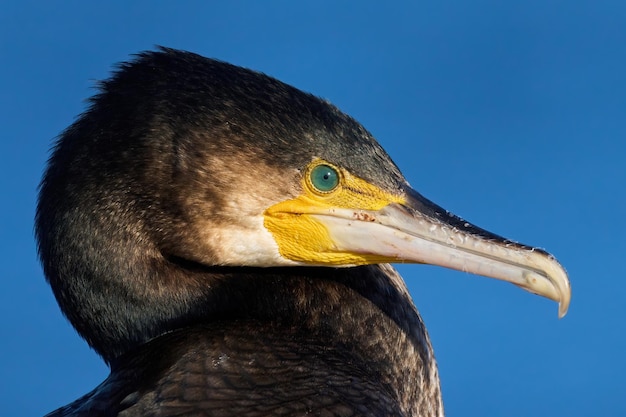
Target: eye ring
(324,178)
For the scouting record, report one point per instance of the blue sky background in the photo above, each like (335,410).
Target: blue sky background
(510,114)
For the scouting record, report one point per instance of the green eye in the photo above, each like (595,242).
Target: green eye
(324,178)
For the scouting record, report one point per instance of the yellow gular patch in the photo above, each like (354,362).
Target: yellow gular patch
(302,238)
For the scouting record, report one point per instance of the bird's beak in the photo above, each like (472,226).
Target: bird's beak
(420,231)
(410,229)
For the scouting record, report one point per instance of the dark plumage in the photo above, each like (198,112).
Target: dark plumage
(149,207)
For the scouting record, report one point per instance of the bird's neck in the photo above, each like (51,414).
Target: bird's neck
(364,309)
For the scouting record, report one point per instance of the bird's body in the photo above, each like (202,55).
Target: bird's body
(220,239)
(339,349)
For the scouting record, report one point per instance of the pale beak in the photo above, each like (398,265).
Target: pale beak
(420,231)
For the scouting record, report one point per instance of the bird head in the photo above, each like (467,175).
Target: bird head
(181,158)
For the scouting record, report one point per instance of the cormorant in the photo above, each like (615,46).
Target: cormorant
(221,239)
